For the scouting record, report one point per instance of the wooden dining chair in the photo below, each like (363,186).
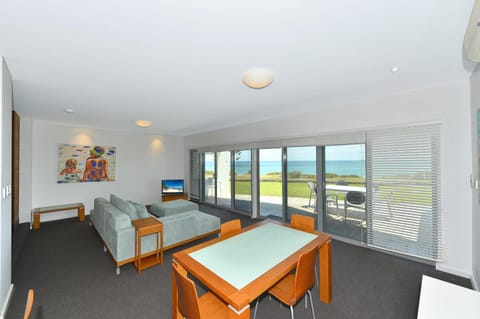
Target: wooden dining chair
(229,227)
(291,289)
(29,305)
(305,223)
(302,222)
(208,306)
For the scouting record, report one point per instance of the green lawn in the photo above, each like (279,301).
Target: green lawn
(420,196)
(272,188)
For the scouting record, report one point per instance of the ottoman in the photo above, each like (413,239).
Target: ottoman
(172,207)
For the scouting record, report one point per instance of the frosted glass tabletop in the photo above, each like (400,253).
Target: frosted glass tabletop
(244,257)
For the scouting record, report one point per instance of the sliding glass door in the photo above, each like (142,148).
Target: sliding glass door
(243,180)
(224,182)
(344,192)
(209,189)
(270,182)
(302,181)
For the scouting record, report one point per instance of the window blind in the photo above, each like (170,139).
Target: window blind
(403,190)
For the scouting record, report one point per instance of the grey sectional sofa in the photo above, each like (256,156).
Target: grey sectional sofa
(182,223)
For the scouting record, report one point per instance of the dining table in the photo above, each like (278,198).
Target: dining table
(241,267)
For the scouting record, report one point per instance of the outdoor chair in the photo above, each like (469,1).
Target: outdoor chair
(354,199)
(291,289)
(210,185)
(331,198)
(313,193)
(190,306)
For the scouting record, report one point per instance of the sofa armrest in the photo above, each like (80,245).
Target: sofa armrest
(116,219)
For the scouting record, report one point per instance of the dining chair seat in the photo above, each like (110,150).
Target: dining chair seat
(305,223)
(190,306)
(291,289)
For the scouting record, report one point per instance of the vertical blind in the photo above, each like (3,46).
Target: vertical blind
(403,190)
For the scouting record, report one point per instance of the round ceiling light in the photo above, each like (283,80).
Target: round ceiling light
(257,78)
(143,123)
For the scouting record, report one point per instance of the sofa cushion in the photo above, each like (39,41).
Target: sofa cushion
(124,206)
(178,227)
(172,207)
(141,209)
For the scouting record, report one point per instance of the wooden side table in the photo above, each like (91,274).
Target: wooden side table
(144,227)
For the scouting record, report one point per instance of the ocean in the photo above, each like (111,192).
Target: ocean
(305,167)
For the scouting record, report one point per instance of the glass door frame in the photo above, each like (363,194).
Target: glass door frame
(203,180)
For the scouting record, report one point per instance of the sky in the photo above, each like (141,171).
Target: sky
(351,152)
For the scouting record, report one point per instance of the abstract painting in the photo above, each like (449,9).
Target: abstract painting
(84,163)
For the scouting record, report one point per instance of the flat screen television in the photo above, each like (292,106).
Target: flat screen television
(172,186)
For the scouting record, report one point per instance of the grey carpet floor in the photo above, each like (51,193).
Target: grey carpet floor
(73,278)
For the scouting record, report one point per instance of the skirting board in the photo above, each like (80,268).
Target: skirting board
(475,284)
(453,271)
(7,303)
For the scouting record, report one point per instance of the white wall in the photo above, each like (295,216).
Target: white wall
(142,162)
(6,178)
(448,105)
(475,105)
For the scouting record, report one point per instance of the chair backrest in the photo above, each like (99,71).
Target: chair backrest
(355,197)
(302,222)
(230,227)
(187,294)
(210,181)
(312,187)
(305,273)
(28,306)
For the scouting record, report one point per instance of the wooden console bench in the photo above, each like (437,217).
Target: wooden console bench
(50,209)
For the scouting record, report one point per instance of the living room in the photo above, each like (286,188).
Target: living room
(145,157)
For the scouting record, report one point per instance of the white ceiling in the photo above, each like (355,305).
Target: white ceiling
(179,63)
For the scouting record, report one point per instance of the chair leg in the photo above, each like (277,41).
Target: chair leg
(311,303)
(316,276)
(291,311)
(256,307)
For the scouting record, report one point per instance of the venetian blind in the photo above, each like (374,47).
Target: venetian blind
(403,190)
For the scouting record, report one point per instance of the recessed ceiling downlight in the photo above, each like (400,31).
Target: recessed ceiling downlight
(257,78)
(68,110)
(143,123)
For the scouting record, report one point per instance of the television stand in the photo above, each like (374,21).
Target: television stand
(167,198)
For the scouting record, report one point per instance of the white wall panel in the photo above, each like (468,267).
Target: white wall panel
(475,106)
(6,181)
(142,162)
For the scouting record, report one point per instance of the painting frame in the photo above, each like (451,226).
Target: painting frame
(86,163)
